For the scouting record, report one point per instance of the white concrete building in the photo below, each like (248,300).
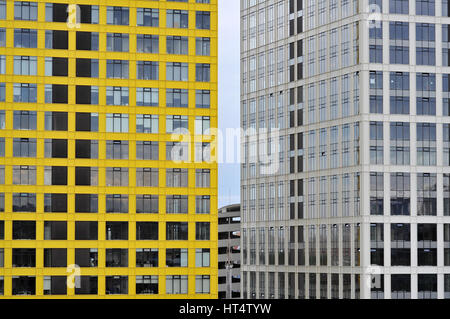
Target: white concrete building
(360,204)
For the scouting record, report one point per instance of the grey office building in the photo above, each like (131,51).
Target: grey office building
(359,206)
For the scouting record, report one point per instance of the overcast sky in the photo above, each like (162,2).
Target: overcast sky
(229,110)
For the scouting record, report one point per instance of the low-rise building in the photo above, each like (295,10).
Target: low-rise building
(229,250)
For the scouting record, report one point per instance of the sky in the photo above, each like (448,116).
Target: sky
(229,99)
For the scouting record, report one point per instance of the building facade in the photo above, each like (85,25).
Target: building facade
(229,251)
(359,92)
(101,196)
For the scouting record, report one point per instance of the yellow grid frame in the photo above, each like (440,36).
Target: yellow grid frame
(71,135)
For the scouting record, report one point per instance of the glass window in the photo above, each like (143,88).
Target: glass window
(116,69)
(25,38)
(202,46)
(177,98)
(117,123)
(118,42)
(203,99)
(176,284)
(25,65)
(177,19)
(117,15)
(202,20)
(147,70)
(177,45)
(176,71)
(425,7)
(147,43)
(24,10)
(147,123)
(116,95)
(148,17)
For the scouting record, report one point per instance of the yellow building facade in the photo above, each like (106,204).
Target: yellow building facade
(99,197)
